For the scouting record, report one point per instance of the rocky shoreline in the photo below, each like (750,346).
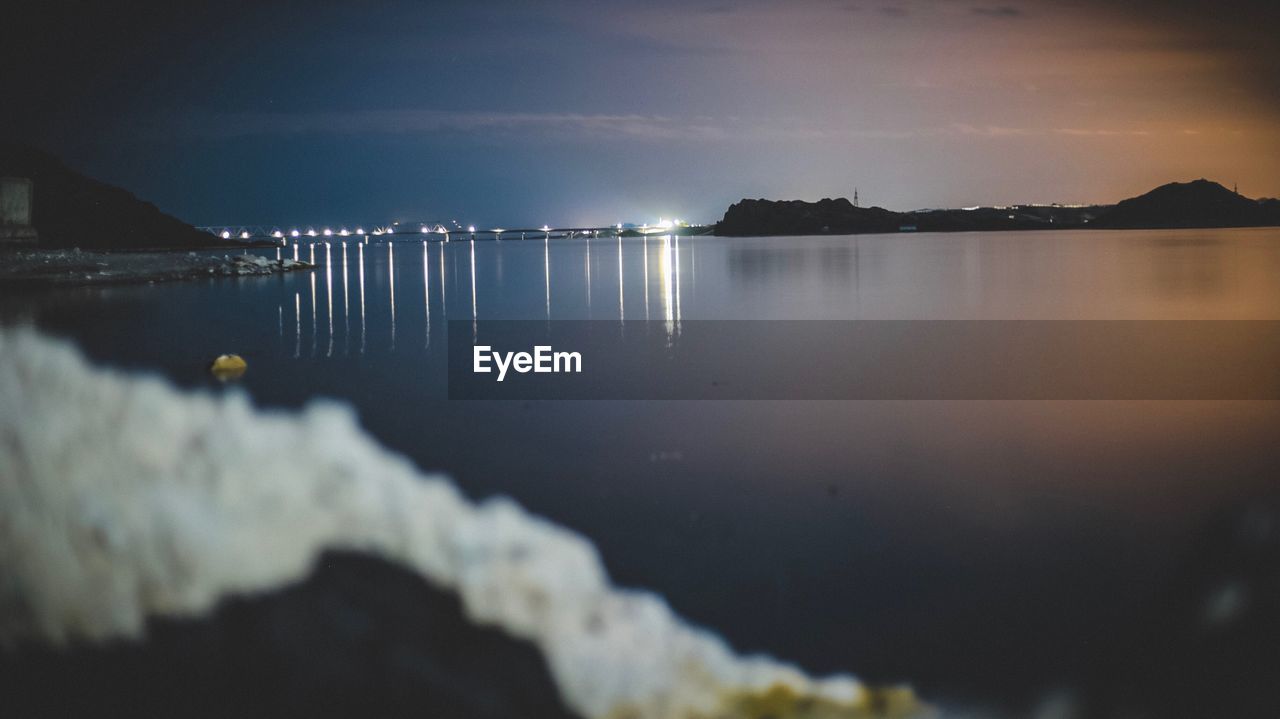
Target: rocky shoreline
(75,267)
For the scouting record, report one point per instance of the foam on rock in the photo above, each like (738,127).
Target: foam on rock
(122,498)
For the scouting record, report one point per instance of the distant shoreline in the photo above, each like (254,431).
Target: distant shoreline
(894,233)
(1200,204)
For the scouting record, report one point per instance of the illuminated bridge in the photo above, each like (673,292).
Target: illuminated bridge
(443,232)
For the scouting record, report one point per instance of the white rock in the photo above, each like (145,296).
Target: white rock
(121,498)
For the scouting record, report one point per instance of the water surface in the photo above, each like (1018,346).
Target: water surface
(987,551)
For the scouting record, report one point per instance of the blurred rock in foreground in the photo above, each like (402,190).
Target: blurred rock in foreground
(359,637)
(189,538)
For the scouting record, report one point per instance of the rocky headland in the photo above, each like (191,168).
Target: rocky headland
(72,210)
(91,233)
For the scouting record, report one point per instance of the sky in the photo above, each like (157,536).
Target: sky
(517,113)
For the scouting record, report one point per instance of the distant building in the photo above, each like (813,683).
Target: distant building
(17,197)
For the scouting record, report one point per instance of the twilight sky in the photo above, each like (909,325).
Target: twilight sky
(518,113)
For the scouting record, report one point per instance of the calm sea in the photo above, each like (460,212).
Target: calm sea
(983,550)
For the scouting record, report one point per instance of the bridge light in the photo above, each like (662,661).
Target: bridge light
(359,230)
(390,231)
(344,232)
(226,235)
(425,230)
(293,233)
(471,228)
(328,232)
(277,234)
(244,235)
(311,233)
(545,228)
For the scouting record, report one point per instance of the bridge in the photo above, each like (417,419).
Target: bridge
(443,232)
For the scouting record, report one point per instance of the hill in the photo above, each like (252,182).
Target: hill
(841,217)
(1191,204)
(72,210)
(1200,203)
(797,217)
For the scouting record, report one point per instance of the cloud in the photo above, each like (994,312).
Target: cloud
(578,127)
(517,126)
(1237,36)
(995,131)
(992,131)
(1102,132)
(355,122)
(998,11)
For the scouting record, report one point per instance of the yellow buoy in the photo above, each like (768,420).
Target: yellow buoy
(228,367)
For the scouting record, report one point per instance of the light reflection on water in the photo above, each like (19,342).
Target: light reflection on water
(391,279)
(631,257)
(898,540)
(1014,276)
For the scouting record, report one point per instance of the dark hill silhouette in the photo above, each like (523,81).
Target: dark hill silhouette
(797,217)
(72,210)
(1192,204)
(841,217)
(1201,203)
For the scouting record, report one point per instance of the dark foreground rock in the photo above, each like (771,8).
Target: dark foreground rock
(74,267)
(71,210)
(360,637)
